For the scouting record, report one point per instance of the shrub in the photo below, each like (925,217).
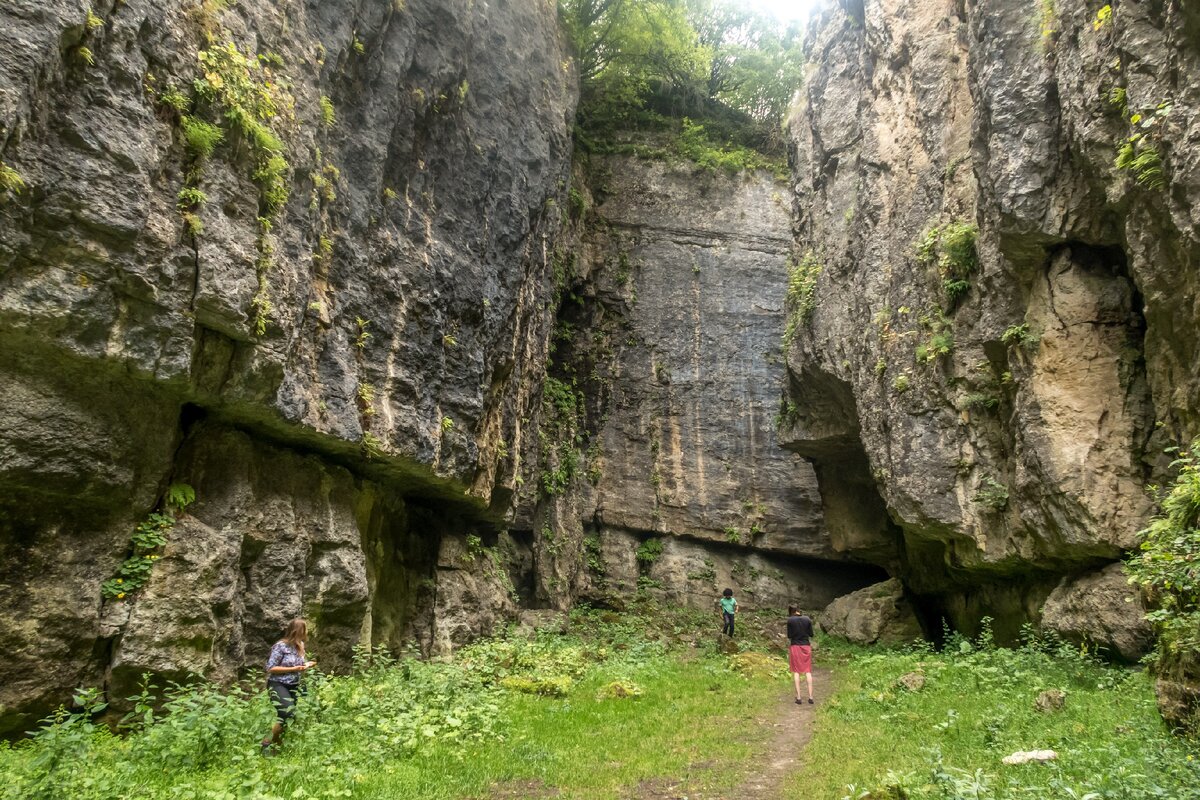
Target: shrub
(328,114)
(649,551)
(1167,565)
(992,494)
(10,179)
(1019,336)
(951,247)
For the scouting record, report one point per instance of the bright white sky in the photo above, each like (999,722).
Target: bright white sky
(786,10)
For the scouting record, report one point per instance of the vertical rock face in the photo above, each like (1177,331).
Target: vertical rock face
(673,340)
(1000,302)
(337,382)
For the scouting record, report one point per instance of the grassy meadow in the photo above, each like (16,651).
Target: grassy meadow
(629,706)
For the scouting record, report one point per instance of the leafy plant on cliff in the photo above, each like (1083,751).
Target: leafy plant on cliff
(1019,336)
(951,248)
(1140,153)
(648,551)
(801,298)
(147,539)
(10,180)
(559,436)
(992,494)
(1167,566)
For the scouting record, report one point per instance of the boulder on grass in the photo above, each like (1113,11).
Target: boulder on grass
(877,614)
(1100,608)
(1050,700)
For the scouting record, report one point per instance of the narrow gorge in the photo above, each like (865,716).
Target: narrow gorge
(433,361)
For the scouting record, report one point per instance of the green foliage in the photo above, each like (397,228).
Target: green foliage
(1103,17)
(649,551)
(233,85)
(149,536)
(10,180)
(620,690)
(94,22)
(951,247)
(709,59)
(1019,336)
(939,336)
(366,399)
(801,299)
(1167,567)
(179,496)
(876,739)
(1139,156)
(733,535)
(698,145)
(980,401)
(363,335)
(190,197)
(992,494)
(201,137)
(84,56)
(447,425)
(371,446)
(901,384)
(328,114)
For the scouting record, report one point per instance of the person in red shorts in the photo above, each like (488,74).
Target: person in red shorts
(800,632)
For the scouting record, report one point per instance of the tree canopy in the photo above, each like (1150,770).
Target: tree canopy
(707,59)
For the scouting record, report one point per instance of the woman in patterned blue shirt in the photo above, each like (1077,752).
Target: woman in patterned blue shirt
(284,667)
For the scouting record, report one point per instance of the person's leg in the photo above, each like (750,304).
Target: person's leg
(284,700)
(796,680)
(807,677)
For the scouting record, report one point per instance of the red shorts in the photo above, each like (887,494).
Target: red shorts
(800,658)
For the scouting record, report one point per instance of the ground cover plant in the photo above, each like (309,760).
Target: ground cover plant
(583,712)
(975,704)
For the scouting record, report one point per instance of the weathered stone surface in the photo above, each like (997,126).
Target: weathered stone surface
(409,287)
(1100,609)
(1050,700)
(877,614)
(670,331)
(1006,461)
(911,681)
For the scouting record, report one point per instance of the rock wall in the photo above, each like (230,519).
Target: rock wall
(340,375)
(1006,401)
(670,333)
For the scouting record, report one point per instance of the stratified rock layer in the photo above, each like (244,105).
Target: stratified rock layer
(340,387)
(671,331)
(1008,424)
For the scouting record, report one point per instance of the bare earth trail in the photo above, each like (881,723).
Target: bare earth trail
(780,756)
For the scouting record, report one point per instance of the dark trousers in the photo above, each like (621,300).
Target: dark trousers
(727,627)
(283,697)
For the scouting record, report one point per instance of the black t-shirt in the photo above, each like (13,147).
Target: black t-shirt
(800,629)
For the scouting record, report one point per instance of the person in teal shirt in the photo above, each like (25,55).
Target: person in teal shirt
(728,609)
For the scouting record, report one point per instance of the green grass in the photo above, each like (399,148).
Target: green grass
(876,739)
(477,727)
(436,730)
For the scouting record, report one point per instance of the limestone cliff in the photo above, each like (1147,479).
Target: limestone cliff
(291,254)
(669,334)
(1000,199)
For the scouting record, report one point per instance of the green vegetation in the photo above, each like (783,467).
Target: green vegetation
(328,114)
(148,539)
(10,180)
(711,77)
(581,712)
(561,407)
(363,335)
(1019,336)
(945,741)
(233,86)
(200,137)
(1139,154)
(801,299)
(951,247)
(580,715)
(1167,567)
(901,384)
(649,551)
(992,494)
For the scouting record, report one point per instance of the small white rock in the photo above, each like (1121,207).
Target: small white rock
(1025,756)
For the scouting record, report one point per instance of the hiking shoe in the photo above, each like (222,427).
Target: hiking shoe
(799,702)
(810,702)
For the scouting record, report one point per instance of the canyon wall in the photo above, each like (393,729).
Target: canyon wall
(331,322)
(999,202)
(669,345)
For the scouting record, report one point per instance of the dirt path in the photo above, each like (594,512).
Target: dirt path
(779,756)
